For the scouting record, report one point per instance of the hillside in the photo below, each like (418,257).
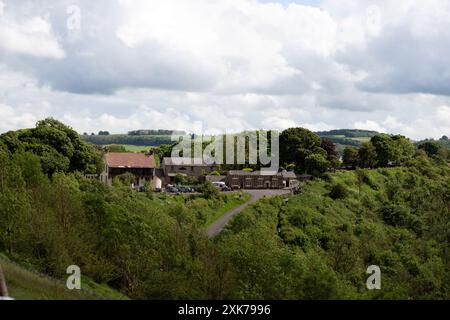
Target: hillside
(24,284)
(125,139)
(347,137)
(318,245)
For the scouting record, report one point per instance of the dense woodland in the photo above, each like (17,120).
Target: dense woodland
(391,208)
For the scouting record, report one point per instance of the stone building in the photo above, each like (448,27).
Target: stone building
(189,167)
(142,166)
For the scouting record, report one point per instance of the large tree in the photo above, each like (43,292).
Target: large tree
(59,147)
(385,149)
(367,155)
(430,147)
(351,157)
(330,147)
(296,144)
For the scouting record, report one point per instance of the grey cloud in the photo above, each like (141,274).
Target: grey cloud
(401,62)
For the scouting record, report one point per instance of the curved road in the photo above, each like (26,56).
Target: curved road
(218,226)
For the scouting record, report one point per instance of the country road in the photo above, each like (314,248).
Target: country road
(218,226)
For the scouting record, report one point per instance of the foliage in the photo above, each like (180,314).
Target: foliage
(306,246)
(316,164)
(320,248)
(350,157)
(329,147)
(59,148)
(208,190)
(338,191)
(430,147)
(296,144)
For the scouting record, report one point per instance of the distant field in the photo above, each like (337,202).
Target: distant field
(347,138)
(134,148)
(362,139)
(123,139)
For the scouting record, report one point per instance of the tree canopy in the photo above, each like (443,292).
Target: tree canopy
(296,145)
(59,147)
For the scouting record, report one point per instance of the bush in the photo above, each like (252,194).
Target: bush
(209,190)
(338,191)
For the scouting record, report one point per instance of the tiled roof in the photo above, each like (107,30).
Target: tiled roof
(129,160)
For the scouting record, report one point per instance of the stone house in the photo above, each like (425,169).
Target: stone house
(239,179)
(142,166)
(188,167)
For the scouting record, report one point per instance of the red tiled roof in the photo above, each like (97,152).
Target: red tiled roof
(129,160)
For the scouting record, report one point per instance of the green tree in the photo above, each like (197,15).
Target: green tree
(350,157)
(209,191)
(404,149)
(430,147)
(385,149)
(367,155)
(59,147)
(316,164)
(296,144)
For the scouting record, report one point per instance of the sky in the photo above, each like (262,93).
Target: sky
(227,65)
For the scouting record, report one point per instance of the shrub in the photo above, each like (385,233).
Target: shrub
(338,191)
(209,190)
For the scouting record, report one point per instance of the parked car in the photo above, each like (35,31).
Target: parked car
(184,189)
(171,189)
(219,184)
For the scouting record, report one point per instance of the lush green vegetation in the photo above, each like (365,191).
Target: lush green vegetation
(58,148)
(145,245)
(390,150)
(316,245)
(396,218)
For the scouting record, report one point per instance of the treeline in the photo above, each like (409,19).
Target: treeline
(156,132)
(349,133)
(390,150)
(58,148)
(121,139)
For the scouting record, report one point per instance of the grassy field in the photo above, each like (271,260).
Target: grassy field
(134,148)
(26,285)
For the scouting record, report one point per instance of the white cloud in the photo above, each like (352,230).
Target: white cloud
(31,36)
(13,118)
(368,125)
(228,64)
